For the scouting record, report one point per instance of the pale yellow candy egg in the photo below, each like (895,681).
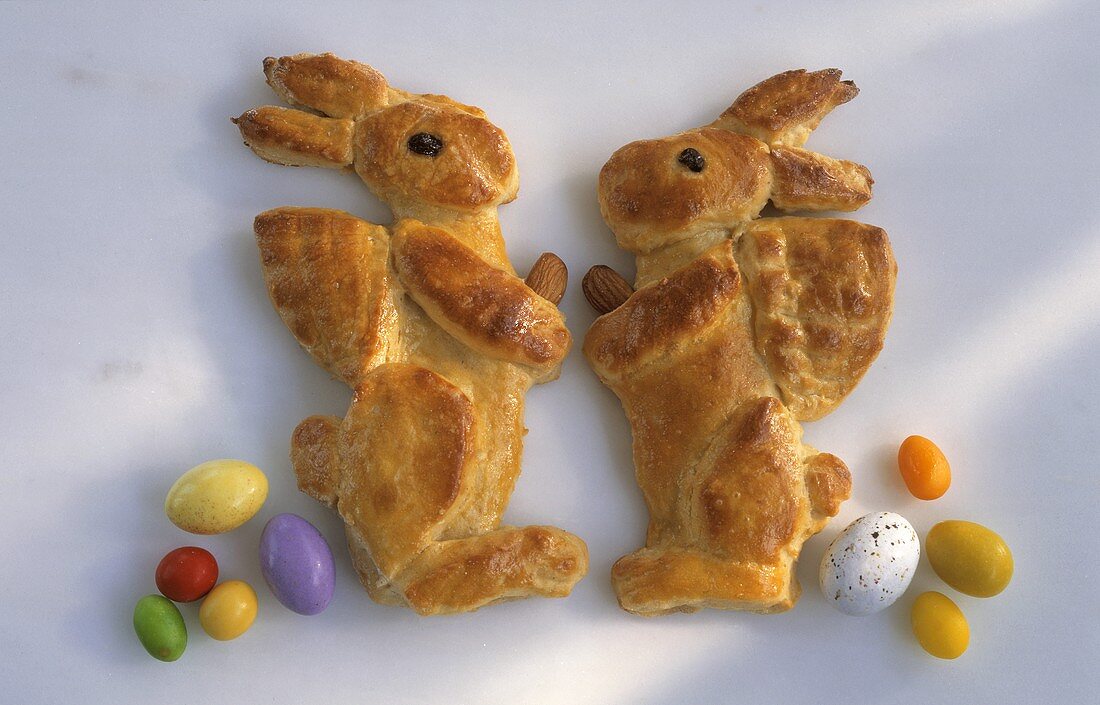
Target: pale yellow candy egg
(216,497)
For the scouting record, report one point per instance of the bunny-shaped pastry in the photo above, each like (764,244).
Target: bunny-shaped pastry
(738,330)
(430,326)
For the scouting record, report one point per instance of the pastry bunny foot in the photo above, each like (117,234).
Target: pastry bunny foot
(655,581)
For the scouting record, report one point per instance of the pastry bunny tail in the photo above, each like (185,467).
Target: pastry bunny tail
(313,454)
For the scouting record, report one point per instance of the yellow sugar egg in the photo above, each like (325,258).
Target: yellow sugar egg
(216,497)
(969,557)
(940,626)
(228,610)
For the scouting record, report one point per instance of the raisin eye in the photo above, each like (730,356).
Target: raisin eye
(425,143)
(692,160)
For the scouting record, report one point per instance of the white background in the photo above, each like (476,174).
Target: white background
(138,341)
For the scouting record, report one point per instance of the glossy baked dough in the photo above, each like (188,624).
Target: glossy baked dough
(738,330)
(427,322)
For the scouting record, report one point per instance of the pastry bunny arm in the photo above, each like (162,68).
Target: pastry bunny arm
(491,311)
(427,323)
(822,292)
(327,275)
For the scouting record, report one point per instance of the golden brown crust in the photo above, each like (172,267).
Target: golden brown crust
(785,109)
(733,319)
(336,87)
(327,275)
(652,200)
(441,356)
(809,181)
(294,138)
(421,435)
(658,318)
(823,291)
(829,483)
(745,511)
(491,311)
(449,102)
(417,430)
(314,455)
(475,168)
(678,400)
(467,574)
(653,582)
(370,124)
(747,494)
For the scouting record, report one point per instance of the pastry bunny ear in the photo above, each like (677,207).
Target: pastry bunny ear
(342,91)
(785,109)
(328,84)
(297,138)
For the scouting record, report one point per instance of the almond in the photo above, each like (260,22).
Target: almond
(605,289)
(548,277)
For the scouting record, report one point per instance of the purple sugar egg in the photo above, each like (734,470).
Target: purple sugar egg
(297,564)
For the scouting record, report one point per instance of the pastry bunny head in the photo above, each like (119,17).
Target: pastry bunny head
(657,192)
(413,151)
(429,149)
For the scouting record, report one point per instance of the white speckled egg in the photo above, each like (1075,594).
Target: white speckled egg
(870,564)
